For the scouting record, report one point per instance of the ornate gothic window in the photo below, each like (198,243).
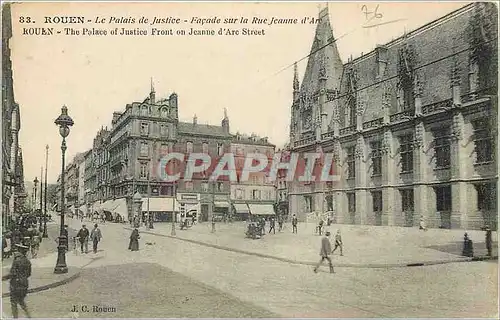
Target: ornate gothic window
(406,77)
(442,147)
(376,157)
(351,97)
(406,152)
(483,141)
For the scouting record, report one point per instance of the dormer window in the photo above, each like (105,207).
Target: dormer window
(163,112)
(145,110)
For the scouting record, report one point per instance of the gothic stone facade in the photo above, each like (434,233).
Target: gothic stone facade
(412,125)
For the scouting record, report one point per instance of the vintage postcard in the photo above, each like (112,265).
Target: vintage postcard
(250,159)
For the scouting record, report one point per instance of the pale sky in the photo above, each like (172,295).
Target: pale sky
(96,75)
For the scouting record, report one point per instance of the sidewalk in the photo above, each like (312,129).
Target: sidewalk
(42,267)
(364,246)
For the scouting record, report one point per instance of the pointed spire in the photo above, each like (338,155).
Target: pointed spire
(225,113)
(295,77)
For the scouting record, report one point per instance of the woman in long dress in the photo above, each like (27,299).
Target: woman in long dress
(134,240)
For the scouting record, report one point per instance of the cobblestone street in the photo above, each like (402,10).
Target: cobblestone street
(167,274)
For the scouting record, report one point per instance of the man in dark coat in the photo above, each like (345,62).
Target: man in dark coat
(294,224)
(15,239)
(19,274)
(272,225)
(83,237)
(326,249)
(488,240)
(96,236)
(134,240)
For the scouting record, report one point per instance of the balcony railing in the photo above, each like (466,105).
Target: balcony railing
(404,115)
(373,123)
(347,130)
(471,96)
(437,107)
(304,142)
(327,135)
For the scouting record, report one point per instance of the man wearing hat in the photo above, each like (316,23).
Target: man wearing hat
(83,237)
(488,240)
(19,274)
(326,249)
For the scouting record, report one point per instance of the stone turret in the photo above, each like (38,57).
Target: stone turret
(152,95)
(225,122)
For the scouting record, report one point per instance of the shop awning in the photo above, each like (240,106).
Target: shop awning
(241,208)
(221,204)
(261,209)
(95,206)
(120,209)
(109,206)
(164,204)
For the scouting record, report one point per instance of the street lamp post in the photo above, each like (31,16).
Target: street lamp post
(35,186)
(45,235)
(41,199)
(64,122)
(174,199)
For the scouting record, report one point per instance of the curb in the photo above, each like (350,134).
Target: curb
(50,285)
(307,263)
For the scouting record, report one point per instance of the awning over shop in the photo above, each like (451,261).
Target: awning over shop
(221,204)
(120,209)
(95,206)
(108,206)
(164,204)
(261,209)
(241,208)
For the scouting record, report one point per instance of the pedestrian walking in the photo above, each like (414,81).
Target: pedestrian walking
(325,251)
(338,243)
(96,236)
(134,240)
(19,274)
(280,223)
(272,224)
(422,225)
(262,226)
(15,239)
(320,226)
(83,238)
(35,243)
(213,223)
(488,240)
(294,224)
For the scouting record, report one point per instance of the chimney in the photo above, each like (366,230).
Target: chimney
(195,119)
(381,53)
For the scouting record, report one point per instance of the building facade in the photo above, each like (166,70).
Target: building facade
(11,124)
(412,125)
(282,203)
(127,159)
(255,195)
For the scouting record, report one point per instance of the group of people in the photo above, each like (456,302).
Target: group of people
(83,236)
(326,250)
(30,237)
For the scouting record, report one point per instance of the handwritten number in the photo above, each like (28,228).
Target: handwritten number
(370,15)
